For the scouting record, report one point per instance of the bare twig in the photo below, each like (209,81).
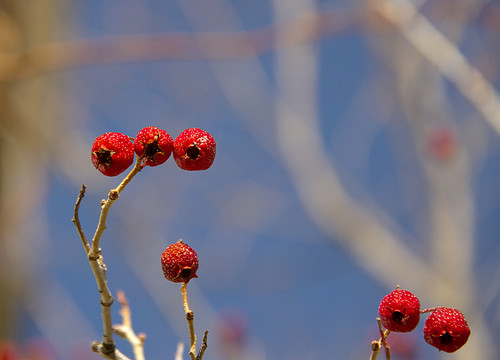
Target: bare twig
(106,348)
(204,345)
(126,331)
(383,339)
(76,220)
(376,345)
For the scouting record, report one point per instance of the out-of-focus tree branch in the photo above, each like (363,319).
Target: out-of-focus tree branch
(25,132)
(441,52)
(362,230)
(132,48)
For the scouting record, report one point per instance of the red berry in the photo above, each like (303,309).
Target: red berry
(400,311)
(443,143)
(112,153)
(153,145)
(179,262)
(194,149)
(9,350)
(446,329)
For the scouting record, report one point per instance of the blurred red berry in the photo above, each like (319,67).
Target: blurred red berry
(194,149)
(9,350)
(400,311)
(446,329)
(112,153)
(153,145)
(232,328)
(179,262)
(442,143)
(403,345)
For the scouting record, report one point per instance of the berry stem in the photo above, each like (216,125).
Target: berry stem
(376,345)
(190,321)
(76,220)
(428,310)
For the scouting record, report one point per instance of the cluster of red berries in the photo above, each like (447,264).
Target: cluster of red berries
(445,328)
(113,152)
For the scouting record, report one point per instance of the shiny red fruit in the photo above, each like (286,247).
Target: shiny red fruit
(153,145)
(446,329)
(179,262)
(112,153)
(400,311)
(194,149)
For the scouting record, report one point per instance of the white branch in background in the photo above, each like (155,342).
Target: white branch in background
(445,55)
(361,229)
(179,351)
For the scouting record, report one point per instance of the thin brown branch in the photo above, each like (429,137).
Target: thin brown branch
(99,269)
(383,339)
(204,345)
(106,348)
(76,220)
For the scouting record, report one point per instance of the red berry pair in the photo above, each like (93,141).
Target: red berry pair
(112,153)
(446,328)
(179,262)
